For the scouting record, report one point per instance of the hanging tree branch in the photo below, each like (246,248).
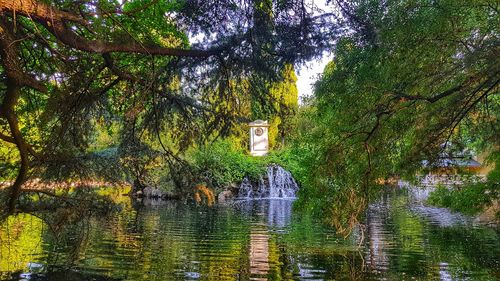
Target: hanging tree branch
(38,9)
(55,21)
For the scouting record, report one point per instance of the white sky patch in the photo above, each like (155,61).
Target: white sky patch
(308,74)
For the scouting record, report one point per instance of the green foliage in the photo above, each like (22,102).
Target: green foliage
(103,165)
(276,102)
(105,69)
(226,162)
(8,161)
(470,198)
(411,76)
(440,197)
(279,107)
(494,174)
(222,164)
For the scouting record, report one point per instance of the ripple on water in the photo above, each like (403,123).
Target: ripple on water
(252,240)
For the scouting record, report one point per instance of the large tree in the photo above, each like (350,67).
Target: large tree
(409,77)
(69,65)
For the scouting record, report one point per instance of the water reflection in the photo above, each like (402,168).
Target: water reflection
(247,240)
(439,216)
(379,239)
(267,216)
(259,252)
(273,212)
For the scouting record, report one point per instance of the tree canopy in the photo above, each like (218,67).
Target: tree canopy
(71,67)
(92,85)
(410,78)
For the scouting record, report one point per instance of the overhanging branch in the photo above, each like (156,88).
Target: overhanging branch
(55,22)
(71,39)
(38,9)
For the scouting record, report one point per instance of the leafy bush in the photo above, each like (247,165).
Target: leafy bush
(440,197)
(290,158)
(470,198)
(222,163)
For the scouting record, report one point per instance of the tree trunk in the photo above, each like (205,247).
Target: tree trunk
(7,111)
(15,79)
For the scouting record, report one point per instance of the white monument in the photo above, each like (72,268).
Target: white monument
(259,140)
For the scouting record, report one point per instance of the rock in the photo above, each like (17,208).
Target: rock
(171,196)
(225,196)
(156,193)
(147,191)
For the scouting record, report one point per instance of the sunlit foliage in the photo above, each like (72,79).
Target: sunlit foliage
(410,77)
(73,70)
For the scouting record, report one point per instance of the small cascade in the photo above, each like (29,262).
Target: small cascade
(246,189)
(281,183)
(277,183)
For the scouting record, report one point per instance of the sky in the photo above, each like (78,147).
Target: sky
(308,74)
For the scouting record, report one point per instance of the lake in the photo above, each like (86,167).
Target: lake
(247,240)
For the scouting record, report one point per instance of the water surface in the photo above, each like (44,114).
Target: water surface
(248,240)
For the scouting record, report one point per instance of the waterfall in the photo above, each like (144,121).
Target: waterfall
(277,183)
(281,183)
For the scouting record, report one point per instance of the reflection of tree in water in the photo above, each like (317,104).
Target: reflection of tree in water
(273,212)
(194,242)
(267,260)
(70,275)
(27,237)
(476,250)
(51,227)
(378,238)
(273,256)
(259,240)
(402,241)
(395,239)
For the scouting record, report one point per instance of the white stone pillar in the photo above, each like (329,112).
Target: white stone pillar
(259,138)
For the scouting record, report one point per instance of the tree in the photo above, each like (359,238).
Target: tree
(411,76)
(66,65)
(279,106)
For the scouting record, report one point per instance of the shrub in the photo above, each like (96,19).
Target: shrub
(440,197)
(221,164)
(462,199)
(470,198)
